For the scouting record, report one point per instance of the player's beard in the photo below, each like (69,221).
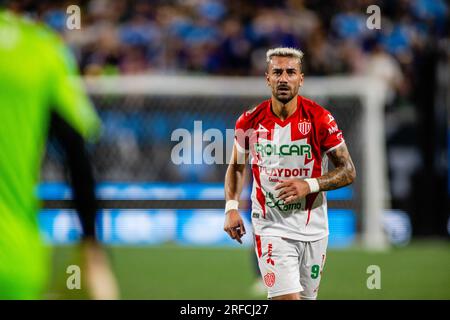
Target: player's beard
(284,97)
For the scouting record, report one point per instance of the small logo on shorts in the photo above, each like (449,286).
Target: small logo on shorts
(255,215)
(269,254)
(269,279)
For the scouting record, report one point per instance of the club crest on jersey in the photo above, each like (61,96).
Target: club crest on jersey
(269,279)
(304,127)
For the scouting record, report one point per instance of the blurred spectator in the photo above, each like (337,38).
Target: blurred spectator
(322,57)
(383,66)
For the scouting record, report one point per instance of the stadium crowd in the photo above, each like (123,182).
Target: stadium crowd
(229,37)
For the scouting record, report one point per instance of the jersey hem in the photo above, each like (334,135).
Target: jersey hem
(304,239)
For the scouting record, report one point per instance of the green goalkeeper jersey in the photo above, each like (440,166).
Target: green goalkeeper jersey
(38,75)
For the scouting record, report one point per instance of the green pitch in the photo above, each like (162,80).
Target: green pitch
(418,271)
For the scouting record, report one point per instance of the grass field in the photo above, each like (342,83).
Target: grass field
(418,271)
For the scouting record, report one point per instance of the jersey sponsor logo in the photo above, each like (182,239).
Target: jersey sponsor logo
(270,149)
(304,127)
(269,279)
(271,202)
(285,172)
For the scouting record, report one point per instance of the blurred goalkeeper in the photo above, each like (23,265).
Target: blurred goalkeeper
(40,92)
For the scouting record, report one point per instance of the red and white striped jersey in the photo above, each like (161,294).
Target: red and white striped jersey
(284,149)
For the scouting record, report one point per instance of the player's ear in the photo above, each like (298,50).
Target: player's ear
(302,78)
(267,78)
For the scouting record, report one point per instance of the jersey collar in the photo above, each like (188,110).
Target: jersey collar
(280,122)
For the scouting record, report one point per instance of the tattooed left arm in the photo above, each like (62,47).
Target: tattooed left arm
(344,172)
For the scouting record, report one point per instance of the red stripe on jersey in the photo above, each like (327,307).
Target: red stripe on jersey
(309,203)
(258,245)
(259,194)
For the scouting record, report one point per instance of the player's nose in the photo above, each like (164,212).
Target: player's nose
(283,78)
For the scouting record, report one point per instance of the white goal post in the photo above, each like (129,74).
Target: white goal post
(372,93)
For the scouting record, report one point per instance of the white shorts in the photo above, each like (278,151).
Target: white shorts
(290,266)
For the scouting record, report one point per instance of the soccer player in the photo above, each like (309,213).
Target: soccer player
(290,139)
(38,79)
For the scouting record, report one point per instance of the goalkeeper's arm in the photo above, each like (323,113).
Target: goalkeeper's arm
(78,167)
(99,277)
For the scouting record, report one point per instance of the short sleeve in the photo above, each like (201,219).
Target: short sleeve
(330,135)
(67,94)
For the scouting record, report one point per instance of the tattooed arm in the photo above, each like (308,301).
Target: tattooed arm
(343,174)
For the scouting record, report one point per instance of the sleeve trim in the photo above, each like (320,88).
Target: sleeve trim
(335,147)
